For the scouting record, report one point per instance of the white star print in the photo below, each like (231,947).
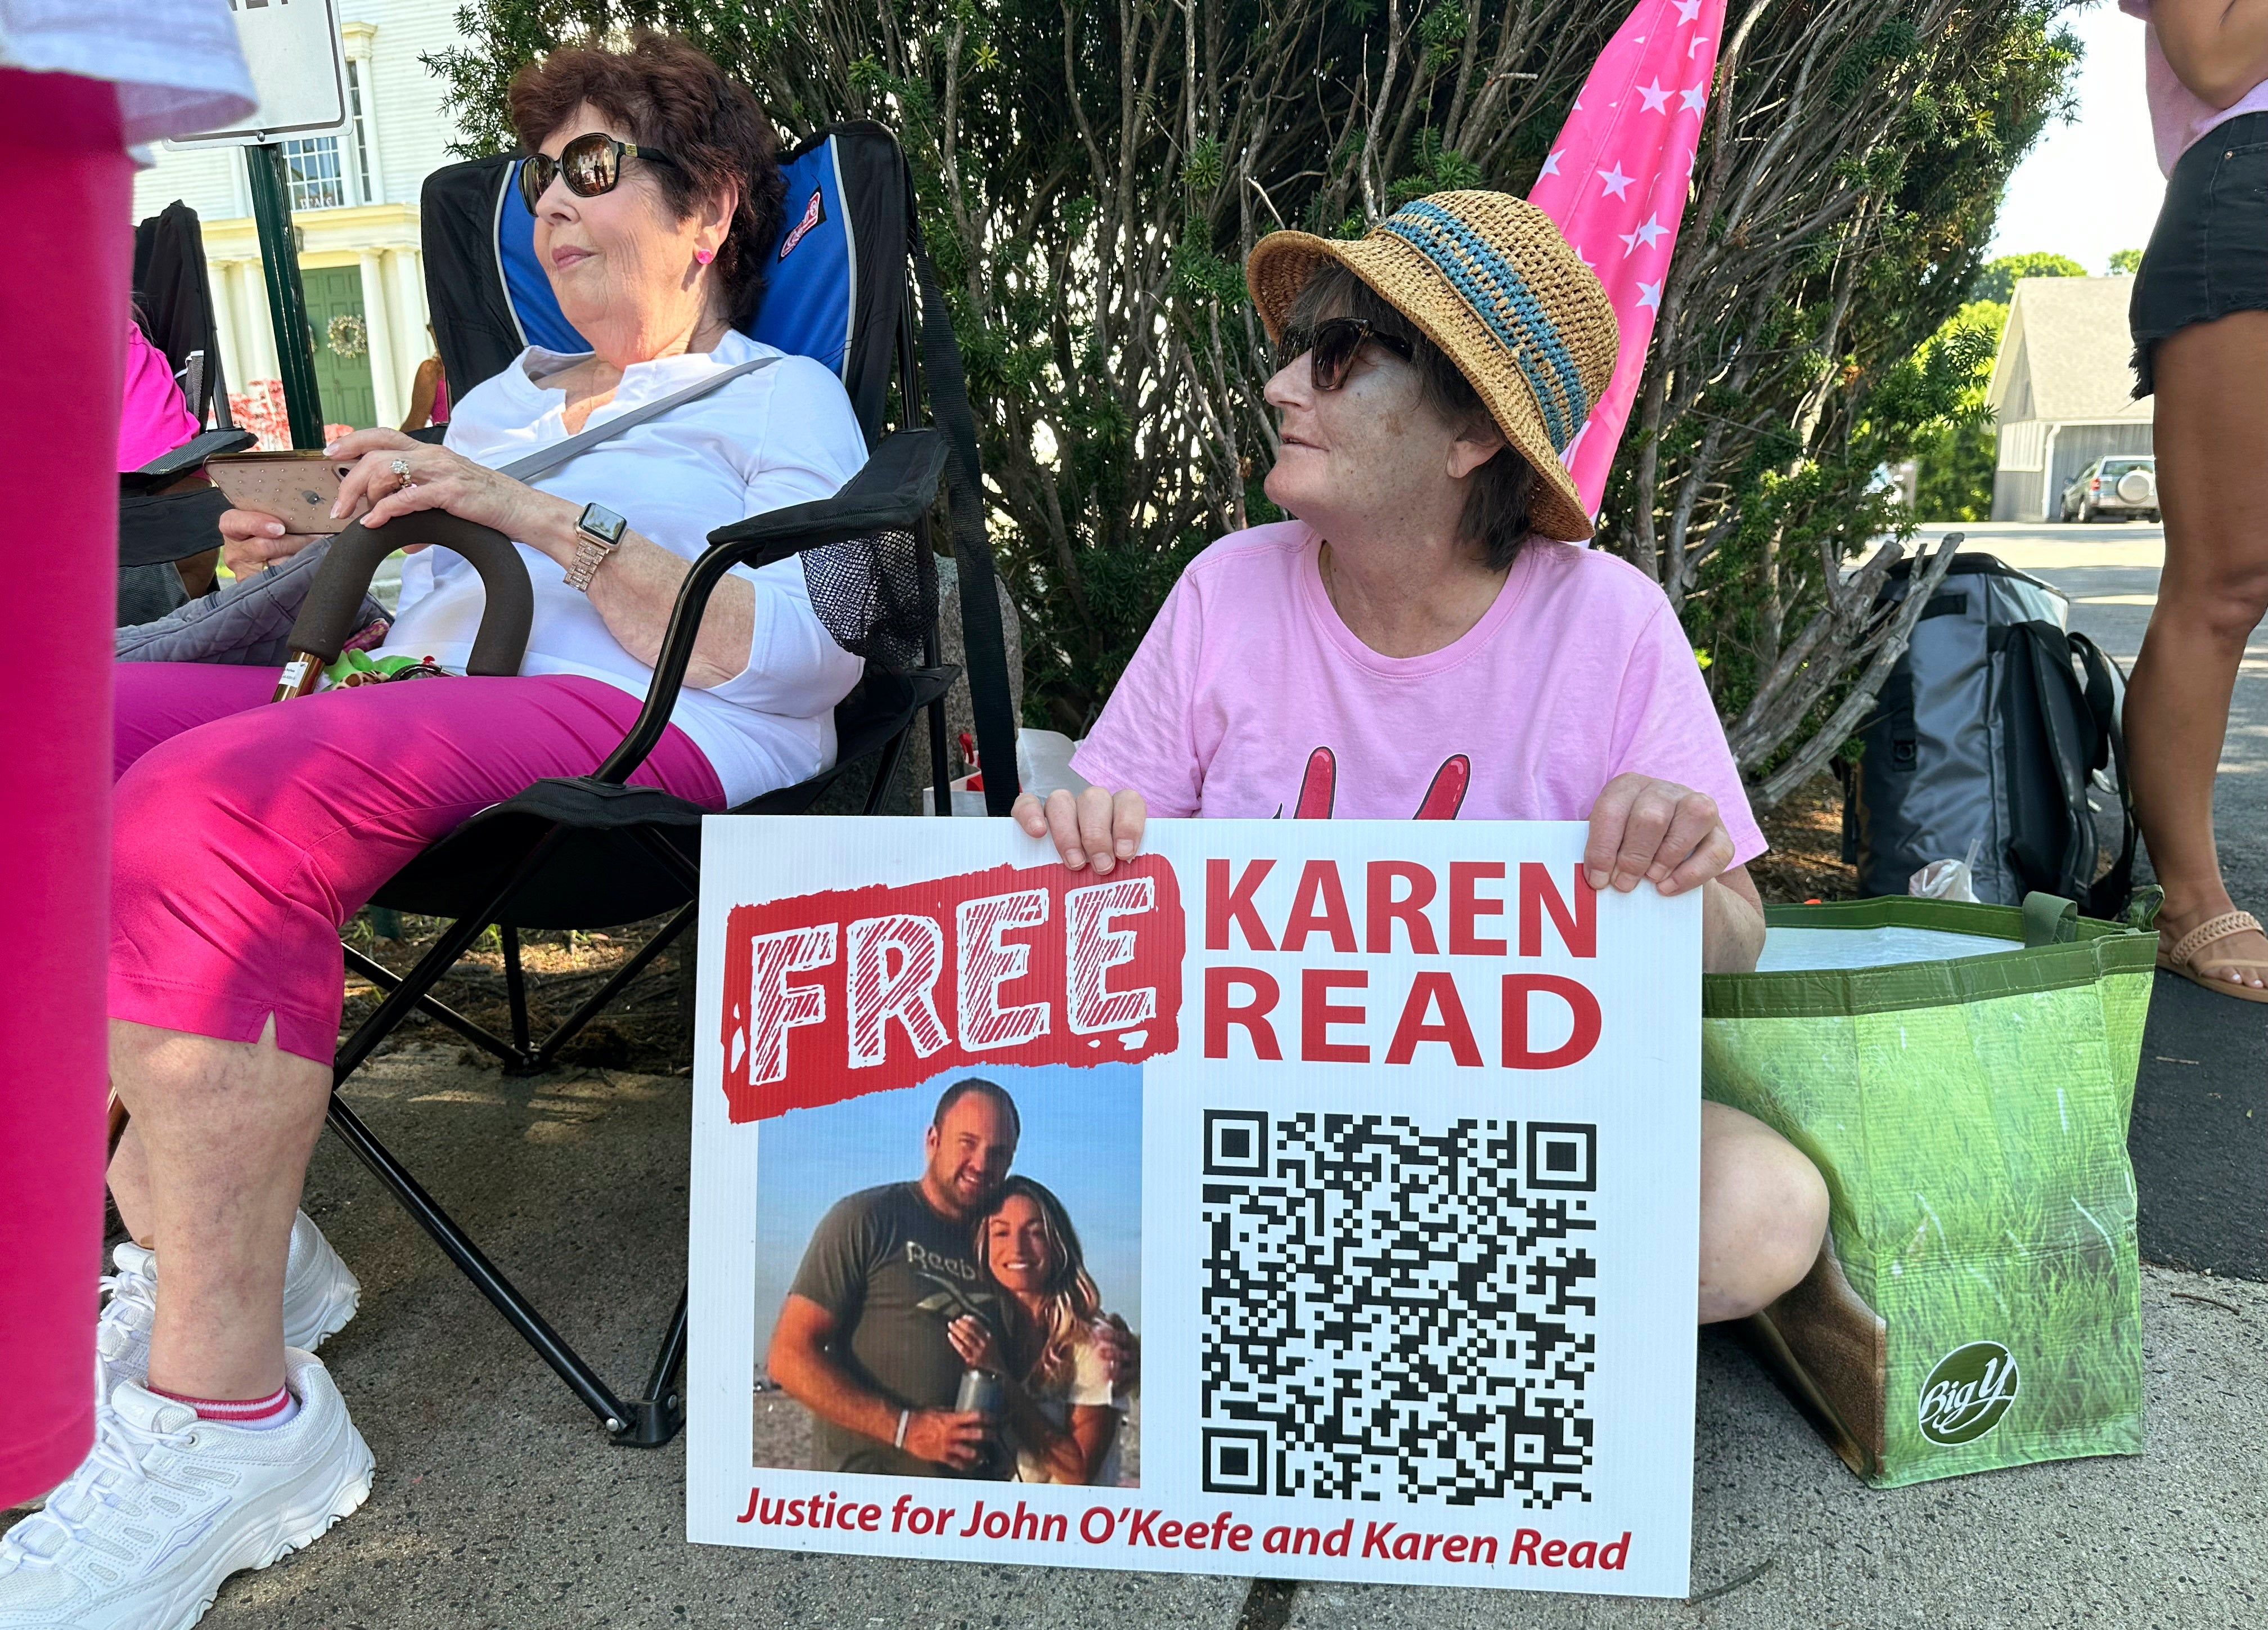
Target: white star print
(1645,234)
(1656,99)
(1688,10)
(1694,49)
(1550,165)
(1617,184)
(1693,96)
(1649,295)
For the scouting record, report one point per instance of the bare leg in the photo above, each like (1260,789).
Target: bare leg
(1764,1212)
(224,1130)
(2213,488)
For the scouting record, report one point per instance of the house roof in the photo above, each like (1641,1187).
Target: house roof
(2065,354)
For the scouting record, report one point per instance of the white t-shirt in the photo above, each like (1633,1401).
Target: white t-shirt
(781,435)
(1089,1384)
(175,63)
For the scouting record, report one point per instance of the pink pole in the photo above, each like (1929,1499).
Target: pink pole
(65,196)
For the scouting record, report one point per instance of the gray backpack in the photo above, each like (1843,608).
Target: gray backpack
(1997,732)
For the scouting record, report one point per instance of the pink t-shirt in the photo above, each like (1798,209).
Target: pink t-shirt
(2178,115)
(151,418)
(1250,697)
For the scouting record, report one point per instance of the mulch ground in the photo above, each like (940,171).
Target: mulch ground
(1805,835)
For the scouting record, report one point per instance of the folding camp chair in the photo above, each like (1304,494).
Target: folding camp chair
(590,852)
(161,522)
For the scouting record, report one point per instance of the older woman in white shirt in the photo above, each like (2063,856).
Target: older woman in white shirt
(246,834)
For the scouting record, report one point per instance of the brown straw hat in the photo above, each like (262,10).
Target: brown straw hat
(1488,278)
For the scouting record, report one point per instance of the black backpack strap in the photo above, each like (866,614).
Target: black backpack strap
(980,595)
(2107,897)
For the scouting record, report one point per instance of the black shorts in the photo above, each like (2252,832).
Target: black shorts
(2208,255)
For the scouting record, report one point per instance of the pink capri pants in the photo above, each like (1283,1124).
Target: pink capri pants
(247,835)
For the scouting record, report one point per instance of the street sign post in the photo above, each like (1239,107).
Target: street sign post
(298,73)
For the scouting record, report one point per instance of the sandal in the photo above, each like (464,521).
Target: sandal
(2182,958)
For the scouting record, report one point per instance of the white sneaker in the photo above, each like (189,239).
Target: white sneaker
(168,1507)
(320,1296)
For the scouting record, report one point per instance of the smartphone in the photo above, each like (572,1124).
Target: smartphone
(296,488)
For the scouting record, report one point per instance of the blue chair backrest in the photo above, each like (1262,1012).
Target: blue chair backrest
(810,273)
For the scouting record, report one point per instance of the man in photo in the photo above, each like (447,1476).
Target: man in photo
(862,1340)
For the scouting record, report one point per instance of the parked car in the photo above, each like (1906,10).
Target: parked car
(2121,487)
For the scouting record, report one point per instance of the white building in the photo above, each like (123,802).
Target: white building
(2062,390)
(355,204)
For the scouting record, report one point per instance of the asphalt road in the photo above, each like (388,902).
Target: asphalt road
(2200,1129)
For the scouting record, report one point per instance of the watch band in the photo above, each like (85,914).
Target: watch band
(598,534)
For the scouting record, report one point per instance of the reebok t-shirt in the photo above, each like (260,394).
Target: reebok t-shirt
(893,1273)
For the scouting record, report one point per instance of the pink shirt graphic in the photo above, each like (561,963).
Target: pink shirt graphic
(1249,697)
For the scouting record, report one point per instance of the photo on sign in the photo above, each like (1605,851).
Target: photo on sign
(970,1247)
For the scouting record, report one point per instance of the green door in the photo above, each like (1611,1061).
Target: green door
(333,293)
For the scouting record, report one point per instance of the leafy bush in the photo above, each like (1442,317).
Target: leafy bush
(1091,177)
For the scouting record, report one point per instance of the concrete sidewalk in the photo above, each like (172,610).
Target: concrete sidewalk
(499,1505)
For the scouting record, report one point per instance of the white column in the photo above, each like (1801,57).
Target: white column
(411,344)
(386,384)
(217,276)
(263,366)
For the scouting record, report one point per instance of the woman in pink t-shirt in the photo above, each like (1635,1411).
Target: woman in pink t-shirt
(1415,645)
(2199,317)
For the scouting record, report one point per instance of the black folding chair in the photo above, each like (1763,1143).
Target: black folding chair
(591,851)
(157,527)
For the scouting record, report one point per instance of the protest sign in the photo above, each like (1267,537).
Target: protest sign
(1370,1148)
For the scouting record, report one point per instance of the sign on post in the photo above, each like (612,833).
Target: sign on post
(298,73)
(1303,1200)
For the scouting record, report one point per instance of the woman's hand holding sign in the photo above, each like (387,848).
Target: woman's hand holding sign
(1097,828)
(1646,829)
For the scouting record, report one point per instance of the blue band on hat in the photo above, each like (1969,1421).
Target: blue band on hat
(1491,285)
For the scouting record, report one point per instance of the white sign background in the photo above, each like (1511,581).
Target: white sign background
(1640,1085)
(298,73)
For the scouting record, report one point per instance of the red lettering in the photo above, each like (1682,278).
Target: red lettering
(1428,991)
(1431,1541)
(1578,924)
(1517,989)
(1318,905)
(1317,1015)
(1615,1552)
(1483,1548)
(1221,1013)
(1138,1527)
(1454,1551)
(1523,1546)
(1585,1554)
(1169,1535)
(1465,905)
(1554,1552)
(1374,1536)
(1225,906)
(1381,910)
(1239,1538)
(870,1518)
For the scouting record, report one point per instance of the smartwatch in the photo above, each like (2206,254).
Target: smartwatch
(598,534)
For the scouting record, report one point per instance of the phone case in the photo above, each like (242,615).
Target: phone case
(297,489)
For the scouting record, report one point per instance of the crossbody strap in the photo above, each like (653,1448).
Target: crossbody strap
(545,460)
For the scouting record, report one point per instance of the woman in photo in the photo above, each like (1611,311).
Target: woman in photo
(1061,1406)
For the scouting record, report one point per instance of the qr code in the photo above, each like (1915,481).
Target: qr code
(1397,1311)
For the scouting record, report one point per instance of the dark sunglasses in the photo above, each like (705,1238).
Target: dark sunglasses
(591,164)
(1332,347)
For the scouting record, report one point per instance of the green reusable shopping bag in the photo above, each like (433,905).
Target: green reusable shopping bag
(1962,1076)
